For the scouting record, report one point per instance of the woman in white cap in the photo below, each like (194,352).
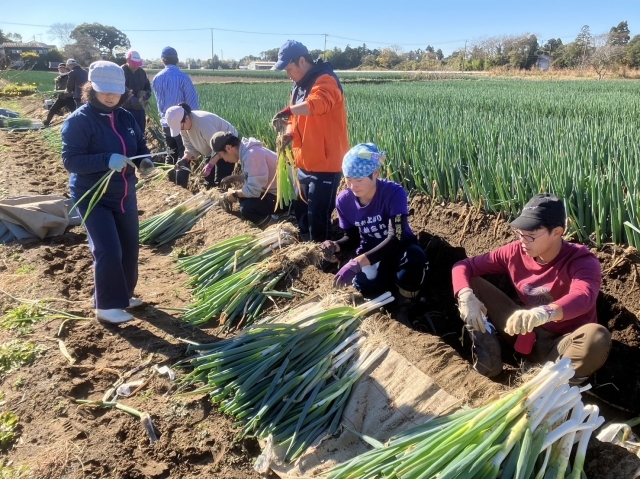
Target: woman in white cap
(97,137)
(197,127)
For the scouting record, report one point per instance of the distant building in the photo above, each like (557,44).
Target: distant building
(543,63)
(260,65)
(16,49)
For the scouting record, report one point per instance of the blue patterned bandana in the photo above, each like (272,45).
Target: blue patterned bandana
(362,160)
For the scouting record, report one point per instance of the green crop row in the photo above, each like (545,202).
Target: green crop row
(493,143)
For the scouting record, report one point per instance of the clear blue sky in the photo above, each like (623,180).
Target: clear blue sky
(411,24)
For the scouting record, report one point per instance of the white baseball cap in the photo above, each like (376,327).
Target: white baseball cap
(173,116)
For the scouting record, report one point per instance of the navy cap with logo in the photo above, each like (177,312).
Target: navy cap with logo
(169,52)
(541,210)
(291,50)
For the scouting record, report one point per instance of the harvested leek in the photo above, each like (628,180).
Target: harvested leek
(162,228)
(97,191)
(289,379)
(528,433)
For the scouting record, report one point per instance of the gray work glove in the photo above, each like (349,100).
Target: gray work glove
(117,162)
(471,310)
(329,249)
(225,203)
(146,167)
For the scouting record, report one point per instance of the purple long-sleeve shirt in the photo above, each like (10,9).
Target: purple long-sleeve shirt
(572,280)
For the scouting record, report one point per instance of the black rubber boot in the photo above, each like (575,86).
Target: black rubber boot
(486,353)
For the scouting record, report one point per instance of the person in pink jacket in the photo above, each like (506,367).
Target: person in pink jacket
(557,285)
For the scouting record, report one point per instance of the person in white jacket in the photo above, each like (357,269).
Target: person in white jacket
(196,127)
(257,198)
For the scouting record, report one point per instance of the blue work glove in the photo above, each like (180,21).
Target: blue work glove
(347,273)
(117,162)
(146,167)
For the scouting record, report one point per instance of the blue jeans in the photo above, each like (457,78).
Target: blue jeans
(113,239)
(319,190)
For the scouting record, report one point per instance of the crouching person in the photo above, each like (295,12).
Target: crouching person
(257,197)
(374,216)
(558,284)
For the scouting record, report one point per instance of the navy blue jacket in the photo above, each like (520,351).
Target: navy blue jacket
(89,138)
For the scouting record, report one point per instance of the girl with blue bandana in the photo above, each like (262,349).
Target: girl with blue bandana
(374,216)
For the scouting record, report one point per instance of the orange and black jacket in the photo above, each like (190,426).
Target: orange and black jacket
(320,140)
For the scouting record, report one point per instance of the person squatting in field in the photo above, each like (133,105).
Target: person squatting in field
(316,123)
(62,100)
(172,87)
(557,285)
(257,197)
(374,216)
(98,137)
(196,128)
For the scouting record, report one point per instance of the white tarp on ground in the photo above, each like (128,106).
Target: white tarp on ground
(393,396)
(33,216)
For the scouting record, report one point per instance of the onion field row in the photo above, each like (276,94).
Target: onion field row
(493,143)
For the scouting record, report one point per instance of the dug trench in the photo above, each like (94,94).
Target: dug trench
(59,439)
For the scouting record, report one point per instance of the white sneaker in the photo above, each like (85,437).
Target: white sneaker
(135,302)
(113,316)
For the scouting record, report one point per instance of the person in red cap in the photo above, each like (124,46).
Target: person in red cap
(557,285)
(138,83)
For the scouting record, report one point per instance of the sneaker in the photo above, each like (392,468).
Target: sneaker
(46,123)
(486,353)
(113,316)
(135,303)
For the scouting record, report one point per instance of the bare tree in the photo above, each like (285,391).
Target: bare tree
(62,33)
(84,51)
(604,54)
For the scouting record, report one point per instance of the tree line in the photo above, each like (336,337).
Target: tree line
(604,52)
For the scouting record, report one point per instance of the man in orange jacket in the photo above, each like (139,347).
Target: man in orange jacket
(317,124)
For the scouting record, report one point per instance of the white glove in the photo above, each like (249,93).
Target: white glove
(146,167)
(471,310)
(524,320)
(117,162)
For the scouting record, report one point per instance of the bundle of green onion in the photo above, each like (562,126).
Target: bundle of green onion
(528,433)
(161,171)
(231,255)
(15,123)
(238,299)
(162,228)
(286,188)
(287,379)
(97,191)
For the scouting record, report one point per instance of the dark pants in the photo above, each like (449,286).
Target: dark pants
(175,145)
(59,104)
(403,273)
(113,239)
(258,210)
(221,171)
(140,117)
(587,347)
(319,190)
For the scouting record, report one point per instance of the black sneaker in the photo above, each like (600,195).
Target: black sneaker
(486,353)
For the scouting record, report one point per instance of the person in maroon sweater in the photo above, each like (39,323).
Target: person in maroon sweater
(557,283)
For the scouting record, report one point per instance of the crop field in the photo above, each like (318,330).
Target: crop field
(493,143)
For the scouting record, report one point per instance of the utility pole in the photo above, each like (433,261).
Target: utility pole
(464,55)
(212,48)
(324,52)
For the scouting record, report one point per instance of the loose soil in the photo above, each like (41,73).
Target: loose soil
(58,439)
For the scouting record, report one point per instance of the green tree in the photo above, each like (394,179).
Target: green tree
(3,37)
(620,35)
(269,55)
(632,57)
(107,38)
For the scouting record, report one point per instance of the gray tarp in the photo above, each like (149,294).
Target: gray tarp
(34,217)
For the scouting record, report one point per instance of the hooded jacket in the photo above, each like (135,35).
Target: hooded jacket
(259,166)
(77,78)
(320,140)
(138,82)
(197,140)
(89,138)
